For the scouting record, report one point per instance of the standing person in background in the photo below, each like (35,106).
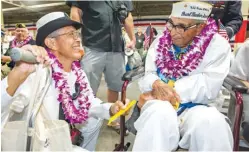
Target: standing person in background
(22,38)
(140,41)
(229,13)
(102,39)
(150,35)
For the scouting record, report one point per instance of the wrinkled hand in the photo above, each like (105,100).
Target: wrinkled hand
(40,53)
(118,105)
(143,98)
(131,44)
(162,91)
(22,69)
(41,57)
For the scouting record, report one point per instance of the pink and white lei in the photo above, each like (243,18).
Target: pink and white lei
(14,43)
(72,114)
(173,68)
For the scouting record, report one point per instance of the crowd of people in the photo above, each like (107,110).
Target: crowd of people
(184,69)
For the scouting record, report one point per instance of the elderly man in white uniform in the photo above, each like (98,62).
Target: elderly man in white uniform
(193,58)
(59,35)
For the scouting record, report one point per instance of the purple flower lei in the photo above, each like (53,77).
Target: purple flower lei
(72,114)
(20,44)
(175,69)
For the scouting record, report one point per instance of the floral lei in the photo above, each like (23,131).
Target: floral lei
(173,68)
(20,44)
(72,114)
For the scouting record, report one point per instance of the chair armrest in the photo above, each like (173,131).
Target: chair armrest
(134,74)
(234,84)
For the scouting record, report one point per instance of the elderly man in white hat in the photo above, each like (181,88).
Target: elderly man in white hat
(186,65)
(69,96)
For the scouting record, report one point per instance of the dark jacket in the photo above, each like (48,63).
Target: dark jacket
(229,12)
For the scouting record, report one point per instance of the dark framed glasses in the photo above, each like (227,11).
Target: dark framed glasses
(179,28)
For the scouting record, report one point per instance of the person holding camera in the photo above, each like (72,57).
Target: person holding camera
(140,38)
(102,39)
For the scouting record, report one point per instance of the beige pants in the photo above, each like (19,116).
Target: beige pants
(112,64)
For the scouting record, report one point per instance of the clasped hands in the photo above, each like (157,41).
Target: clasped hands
(160,91)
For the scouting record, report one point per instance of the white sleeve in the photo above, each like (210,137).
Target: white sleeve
(99,109)
(7,100)
(201,86)
(145,83)
(24,89)
(5,97)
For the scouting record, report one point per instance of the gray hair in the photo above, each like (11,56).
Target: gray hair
(54,34)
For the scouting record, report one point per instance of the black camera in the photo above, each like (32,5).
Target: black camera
(122,13)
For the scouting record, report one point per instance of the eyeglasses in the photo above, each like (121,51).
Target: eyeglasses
(179,28)
(73,34)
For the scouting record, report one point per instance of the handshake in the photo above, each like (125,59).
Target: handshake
(160,91)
